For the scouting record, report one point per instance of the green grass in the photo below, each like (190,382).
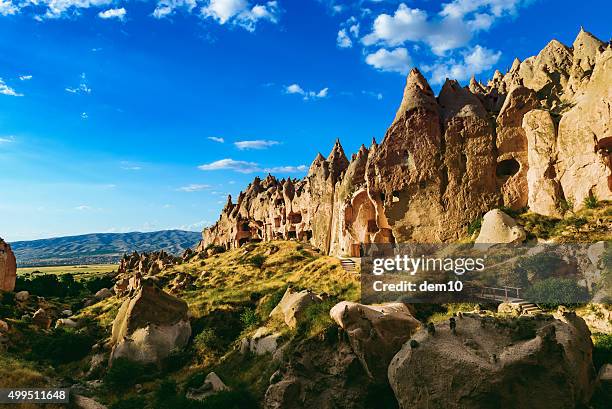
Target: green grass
(92,269)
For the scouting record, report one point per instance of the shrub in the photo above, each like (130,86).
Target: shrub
(257,260)
(207,340)
(553,292)
(542,265)
(61,346)
(602,351)
(591,202)
(49,285)
(475,226)
(249,318)
(123,374)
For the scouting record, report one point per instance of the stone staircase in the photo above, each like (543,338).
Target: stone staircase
(349,265)
(529,308)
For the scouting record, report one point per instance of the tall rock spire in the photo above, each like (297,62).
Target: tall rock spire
(338,162)
(417,94)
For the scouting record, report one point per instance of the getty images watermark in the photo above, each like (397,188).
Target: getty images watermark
(437,273)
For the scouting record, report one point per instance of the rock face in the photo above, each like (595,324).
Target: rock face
(8,267)
(498,227)
(376,332)
(538,364)
(149,325)
(537,136)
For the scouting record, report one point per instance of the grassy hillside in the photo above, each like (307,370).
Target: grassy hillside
(99,248)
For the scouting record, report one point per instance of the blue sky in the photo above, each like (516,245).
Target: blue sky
(143,115)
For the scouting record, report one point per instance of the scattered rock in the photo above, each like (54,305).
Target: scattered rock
(293,304)
(262,342)
(22,296)
(65,323)
(4,327)
(67,313)
(103,294)
(498,227)
(212,384)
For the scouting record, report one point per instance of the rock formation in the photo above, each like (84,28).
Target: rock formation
(498,227)
(524,363)
(293,304)
(8,267)
(150,325)
(537,136)
(376,333)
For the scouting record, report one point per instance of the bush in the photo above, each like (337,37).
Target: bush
(257,260)
(475,226)
(62,346)
(207,340)
(541,266)
(123,373)
(249,318)
(602,351)
(553,292)
(591,202)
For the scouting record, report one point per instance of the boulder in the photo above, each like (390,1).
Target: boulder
(539,363)
(8,267)
(4,327)
(41,319)
(498,227)
(376,332)
(65,323)
(22,296)
(293,304)
(212,384)
(103,294)
(604,384)
(509,308)
(264,341)
(150,325)
(67,313)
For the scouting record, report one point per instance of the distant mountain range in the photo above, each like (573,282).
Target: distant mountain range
(99,248)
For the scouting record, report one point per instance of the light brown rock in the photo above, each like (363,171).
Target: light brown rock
(8,267)
(498,227)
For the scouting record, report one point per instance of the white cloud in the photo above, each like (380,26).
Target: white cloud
(6,139)
(130,166)
(231,164)
(7,8)
(165,8)
(119,14)
(83,208)
(256,144)
(452,28)
(84,116)
(286,169)
(241,12)
(195,226)
(216,139)
(343,40)
(82,88)
(25,77)
(6,90)
(476,60)
(249,167)
(193,188)
(396,60)
(59,8)
(297,89)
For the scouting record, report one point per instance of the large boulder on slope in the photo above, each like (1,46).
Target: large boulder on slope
(376,332)
(149,325)
(498,227)
(293,304)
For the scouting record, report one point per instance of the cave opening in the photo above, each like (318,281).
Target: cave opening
(507,168)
